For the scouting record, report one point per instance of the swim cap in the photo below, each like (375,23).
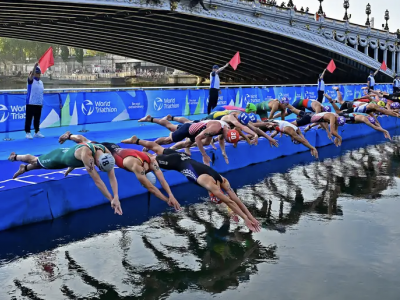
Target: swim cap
(384,100)
(381,103)
(327,108)
(233,136)
(244,118)
(251,108)
(372,120)
(253,117)
(106,162)
(284,100)
(151,177)
(341,121)
(395,105)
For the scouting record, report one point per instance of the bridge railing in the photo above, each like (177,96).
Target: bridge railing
(81,106)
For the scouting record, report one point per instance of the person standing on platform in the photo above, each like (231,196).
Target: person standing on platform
(396,84)
(321,87)
(371,79)
(214,87)
(34,102)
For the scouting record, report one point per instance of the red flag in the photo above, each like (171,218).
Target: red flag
(47,60)
(235,61)
(331,67)
(383,66)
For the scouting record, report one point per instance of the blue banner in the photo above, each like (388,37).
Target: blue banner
(310,92)
(164,102)
(100,107)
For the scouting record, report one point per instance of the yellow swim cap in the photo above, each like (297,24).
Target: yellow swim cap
(381,103)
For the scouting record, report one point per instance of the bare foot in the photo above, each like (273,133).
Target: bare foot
(213,145)
(64,137)
(145,119)
(131,140)
(167,117)
(187,151)
(21,171)
(12,156)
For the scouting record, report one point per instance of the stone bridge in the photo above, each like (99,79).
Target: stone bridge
(277,45)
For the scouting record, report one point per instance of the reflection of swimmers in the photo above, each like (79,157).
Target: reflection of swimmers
(83,155)
(136,162)
(202,175)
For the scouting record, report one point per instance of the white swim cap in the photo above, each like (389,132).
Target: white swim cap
(151,177)
(106,162)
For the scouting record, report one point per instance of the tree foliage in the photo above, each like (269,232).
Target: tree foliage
(64,53)
(79,55)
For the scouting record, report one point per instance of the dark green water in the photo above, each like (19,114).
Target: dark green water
(330,231)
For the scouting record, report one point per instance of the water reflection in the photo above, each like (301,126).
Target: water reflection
(200,248)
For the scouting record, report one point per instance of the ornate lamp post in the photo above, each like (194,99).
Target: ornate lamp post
(368,12)
(320,10)
(290,4)
(387,19)
(346,6)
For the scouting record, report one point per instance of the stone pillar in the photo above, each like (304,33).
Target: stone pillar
(385,56)
(366,48)
(398,62)
(394,61)
(376,53)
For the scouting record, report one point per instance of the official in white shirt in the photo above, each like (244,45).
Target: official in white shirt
(34,102)
(396,84)
(321,87)
(214,87)
(371,79)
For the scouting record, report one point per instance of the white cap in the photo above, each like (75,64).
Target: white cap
(151,177)
(106,162)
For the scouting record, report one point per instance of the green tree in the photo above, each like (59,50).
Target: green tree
(79,55)
(64,53)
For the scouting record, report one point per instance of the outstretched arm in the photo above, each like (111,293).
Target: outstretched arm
(160,176)
(226,186)
(222,68)
(378,128)
(262,133)
(334,132)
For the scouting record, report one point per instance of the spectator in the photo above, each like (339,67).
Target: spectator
(34,102)
(302,9)
(307,10)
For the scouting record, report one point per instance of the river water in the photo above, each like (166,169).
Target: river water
(330,231)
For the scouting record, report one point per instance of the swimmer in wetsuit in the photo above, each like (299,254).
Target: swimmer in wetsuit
(86,155)
(133,161)
(311,105)
(284,127)
(270,106)
(202,175)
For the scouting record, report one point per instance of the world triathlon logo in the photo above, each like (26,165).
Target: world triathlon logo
(87,107)
(246,99)
(158,104)
(3,113)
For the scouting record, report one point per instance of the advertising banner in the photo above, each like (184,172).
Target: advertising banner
(164,102)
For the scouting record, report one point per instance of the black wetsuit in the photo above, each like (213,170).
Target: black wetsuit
(178,161)
(304,118)
(181,162)
(395,97)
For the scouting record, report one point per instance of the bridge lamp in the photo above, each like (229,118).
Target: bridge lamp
(320,10)
(368,12)
(346,6)
(387,19)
